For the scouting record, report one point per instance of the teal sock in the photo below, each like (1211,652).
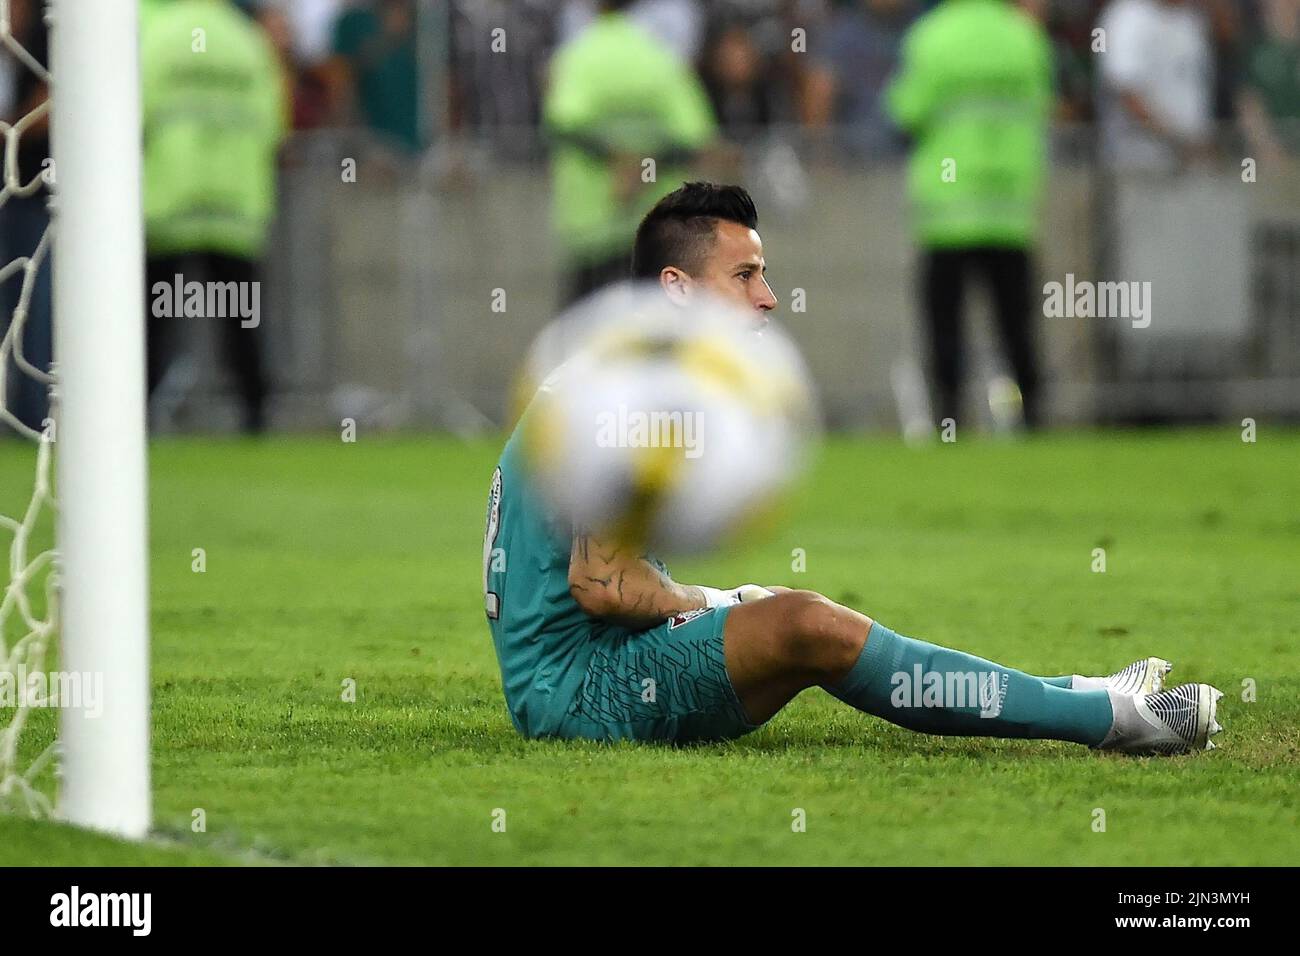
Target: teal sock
(936,690)
(1067,681)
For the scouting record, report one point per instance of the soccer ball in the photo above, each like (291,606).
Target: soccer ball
(664,426)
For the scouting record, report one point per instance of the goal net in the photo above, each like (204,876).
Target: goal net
(73,610)
(29,605)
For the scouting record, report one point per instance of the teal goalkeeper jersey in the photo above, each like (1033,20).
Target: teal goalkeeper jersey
(542,637)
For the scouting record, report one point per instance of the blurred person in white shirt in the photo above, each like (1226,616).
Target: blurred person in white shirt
(1156,76)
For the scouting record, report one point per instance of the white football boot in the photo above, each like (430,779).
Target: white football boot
(1146,676)
(1171,722)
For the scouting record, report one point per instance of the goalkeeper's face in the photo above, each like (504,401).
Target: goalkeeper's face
(733,270)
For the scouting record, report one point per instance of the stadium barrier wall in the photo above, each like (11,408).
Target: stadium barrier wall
(381,293)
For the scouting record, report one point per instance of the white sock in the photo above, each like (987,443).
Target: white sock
(1125,720)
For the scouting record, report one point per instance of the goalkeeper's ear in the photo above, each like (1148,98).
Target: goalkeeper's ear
(676,284)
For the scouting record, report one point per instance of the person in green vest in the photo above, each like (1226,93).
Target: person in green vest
(625,116)
(974,93)
(214,115)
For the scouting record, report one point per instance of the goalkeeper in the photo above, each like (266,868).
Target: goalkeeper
(597,641)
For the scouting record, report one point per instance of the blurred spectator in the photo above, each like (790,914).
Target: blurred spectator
(1227,35)
(852,67)
(311,25)
(737,79)
(617,98)
(1155,103)
(498,94)
(305,75)
(24,219)
(212,126)
(974,91)
(1269,100)
(374,69)
(678,24)
(1069,27)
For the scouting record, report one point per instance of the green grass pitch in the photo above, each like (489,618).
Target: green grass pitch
(328,561)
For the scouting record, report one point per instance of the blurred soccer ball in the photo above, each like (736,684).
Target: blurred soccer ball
(664,426)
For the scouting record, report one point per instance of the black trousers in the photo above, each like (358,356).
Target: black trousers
(1008,274)
(241,347)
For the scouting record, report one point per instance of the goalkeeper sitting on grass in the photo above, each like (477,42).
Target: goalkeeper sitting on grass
(583,627)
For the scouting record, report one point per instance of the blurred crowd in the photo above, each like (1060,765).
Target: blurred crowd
(603,84)
(815,64)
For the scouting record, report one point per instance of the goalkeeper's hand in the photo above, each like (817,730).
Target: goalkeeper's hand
(716,597)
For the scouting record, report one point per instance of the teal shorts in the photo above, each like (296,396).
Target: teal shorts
(669,683)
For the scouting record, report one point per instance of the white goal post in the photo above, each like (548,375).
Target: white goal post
(99,352)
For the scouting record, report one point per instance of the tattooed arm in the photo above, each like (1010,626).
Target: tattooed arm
(620,585)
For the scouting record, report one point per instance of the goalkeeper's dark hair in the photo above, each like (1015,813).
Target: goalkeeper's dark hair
(678,231)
